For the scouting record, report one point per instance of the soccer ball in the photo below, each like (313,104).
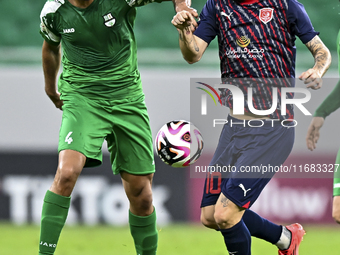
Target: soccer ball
(179,143)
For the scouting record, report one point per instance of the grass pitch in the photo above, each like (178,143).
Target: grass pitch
(178,239)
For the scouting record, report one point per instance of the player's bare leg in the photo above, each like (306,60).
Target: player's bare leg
(57,199)
(70,165)
(207,217)
(227,214)
(139,192)
(142,215)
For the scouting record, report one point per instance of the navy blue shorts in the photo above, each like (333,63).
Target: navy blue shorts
(242,154)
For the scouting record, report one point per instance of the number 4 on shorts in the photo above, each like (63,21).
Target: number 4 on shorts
(68,138)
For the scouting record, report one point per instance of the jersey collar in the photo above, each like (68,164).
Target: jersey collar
(246,2)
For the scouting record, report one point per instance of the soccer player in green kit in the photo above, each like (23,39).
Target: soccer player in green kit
(329,105)
(100,94)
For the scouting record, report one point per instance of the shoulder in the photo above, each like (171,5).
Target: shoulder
(210,4)
(49,21)
(209,8)
(51,7)
(294,5)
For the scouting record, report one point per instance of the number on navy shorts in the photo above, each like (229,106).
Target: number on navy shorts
(210,187)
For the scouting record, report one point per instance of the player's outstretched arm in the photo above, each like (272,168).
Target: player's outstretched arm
(51,57)
(192,47)
(313,132)
(322,58)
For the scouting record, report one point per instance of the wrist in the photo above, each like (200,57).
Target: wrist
(51,92)
(185,34)
(179,5)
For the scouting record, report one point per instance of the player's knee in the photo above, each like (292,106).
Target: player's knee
(220,217)
(141,201)
(67,177)
(145,202)
(225,218)
(208,223)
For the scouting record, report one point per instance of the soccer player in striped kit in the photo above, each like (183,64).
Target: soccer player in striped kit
(256,40)
(329,105)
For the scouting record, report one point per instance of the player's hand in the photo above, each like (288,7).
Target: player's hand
(312,78)
(185,6)
(183,20)
(313,132)
(55,98)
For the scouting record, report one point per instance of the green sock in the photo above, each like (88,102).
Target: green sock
(53,217)
(144,233)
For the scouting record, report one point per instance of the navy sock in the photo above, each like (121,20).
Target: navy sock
(237,239)
(261,228)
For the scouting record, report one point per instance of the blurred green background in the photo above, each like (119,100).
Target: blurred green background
(19,26)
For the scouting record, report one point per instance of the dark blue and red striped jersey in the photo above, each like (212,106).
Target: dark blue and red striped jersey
(256,40)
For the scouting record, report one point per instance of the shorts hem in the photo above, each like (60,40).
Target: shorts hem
(90,161)
(207,204)
(233,200)
(117,171)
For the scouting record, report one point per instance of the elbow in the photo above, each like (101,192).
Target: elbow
(192,60)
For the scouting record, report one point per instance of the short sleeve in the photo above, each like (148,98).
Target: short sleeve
(137,3)
(299,22)
(48,22)
(207,26)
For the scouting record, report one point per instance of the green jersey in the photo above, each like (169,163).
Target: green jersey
(99,47)
(338,49)
(332,101)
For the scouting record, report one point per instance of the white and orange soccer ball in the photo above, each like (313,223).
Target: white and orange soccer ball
(179,143)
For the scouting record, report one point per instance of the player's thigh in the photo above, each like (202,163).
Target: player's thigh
(211,188)
(213,181)
(224,147)
(130,144)
(227,213)
(267,146)
(223,156)
(211,193)
(70,161)
(84,126)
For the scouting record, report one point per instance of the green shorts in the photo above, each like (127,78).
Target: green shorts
(123,123)
(336,180)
